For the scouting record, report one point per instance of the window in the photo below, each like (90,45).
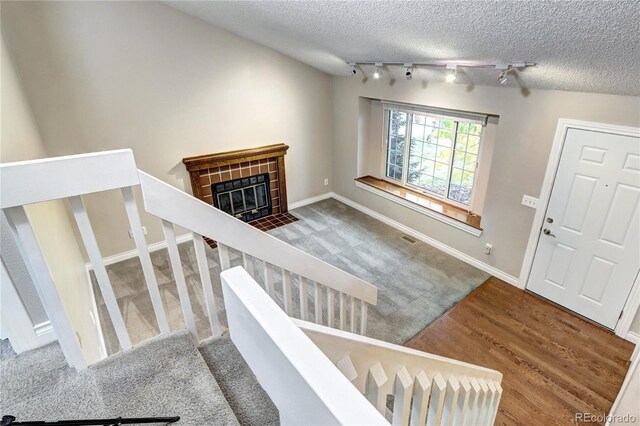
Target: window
(433,153)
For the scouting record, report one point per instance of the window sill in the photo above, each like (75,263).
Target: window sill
(432,207)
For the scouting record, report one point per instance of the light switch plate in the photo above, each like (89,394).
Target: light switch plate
(529,201)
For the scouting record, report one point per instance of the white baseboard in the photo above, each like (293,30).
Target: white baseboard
(633,337)
(119,257)
(407,230)
(44,333)
(310,200)
(428,240)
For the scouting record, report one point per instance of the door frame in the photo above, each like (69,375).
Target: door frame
(564,125)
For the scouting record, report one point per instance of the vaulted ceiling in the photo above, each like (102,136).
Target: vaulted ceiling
(587,46)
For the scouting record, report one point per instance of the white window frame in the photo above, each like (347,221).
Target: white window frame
(437,113)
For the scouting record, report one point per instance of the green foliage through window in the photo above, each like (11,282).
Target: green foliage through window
(441,156)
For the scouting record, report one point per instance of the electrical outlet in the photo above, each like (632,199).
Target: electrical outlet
(488,248)
(144,231)
(529,201)
(326,182)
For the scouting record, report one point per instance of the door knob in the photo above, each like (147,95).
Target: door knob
(550,220)
(548,232)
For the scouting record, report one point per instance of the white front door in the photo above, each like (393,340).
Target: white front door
(588,253)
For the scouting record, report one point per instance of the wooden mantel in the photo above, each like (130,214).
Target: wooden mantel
(207,169)
(207,161)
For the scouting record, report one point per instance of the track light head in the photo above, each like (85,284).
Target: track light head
(354,70)
(452,75)
(378,73)
(502,77)
(408,71)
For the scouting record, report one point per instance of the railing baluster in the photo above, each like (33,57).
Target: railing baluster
(304,306)
(492,393)
(247,261)
(286,292)
(90,243)
(473,403)
(496,402)
(421,393)
(343,311)
(436,403)
(450,401)
(345,365)
(178,275)
(376,379)
(402,398)
(223,254)
(318,303)
(463,402)
(45,287)
(482,402)
(145,260)
(353,314)
(363,317)
(207,288)
(268,279)
(330,308)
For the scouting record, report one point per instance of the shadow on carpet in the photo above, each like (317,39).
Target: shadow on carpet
(416,282)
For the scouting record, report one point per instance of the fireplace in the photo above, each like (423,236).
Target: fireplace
(245,198)
(249,184)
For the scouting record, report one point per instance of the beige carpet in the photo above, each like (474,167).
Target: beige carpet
(416,282)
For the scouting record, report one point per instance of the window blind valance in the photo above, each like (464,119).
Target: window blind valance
(471,117)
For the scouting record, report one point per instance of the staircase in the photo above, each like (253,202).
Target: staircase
(39,385)
(320,372)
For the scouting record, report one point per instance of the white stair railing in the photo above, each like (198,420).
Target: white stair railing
(71,177)
(297,363)
(427,389)
(301,381)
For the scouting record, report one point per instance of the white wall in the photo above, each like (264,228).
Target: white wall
(522,144)
(105,75)
(20,140)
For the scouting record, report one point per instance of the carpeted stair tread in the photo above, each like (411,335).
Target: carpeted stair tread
(249,401)
(165,376)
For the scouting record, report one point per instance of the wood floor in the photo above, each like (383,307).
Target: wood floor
(554,363)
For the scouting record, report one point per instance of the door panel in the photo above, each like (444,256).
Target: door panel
(588,258)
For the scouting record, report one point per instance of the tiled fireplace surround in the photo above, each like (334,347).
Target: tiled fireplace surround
(206,170)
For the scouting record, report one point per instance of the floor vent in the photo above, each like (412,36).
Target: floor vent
(408,238)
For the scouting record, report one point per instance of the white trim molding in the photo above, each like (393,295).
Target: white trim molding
(564,125)
(428,240)
(422,210)
(119,257)
(632,337)
(309,200)
(403,228)
(16,324)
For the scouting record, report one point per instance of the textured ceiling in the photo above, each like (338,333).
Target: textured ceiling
(587,46)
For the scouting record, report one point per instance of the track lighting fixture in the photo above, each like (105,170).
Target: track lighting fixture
(408,71)
(378,72)
(453,73)
(451,68)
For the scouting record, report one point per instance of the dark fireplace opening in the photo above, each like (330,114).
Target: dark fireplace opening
(247,198)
